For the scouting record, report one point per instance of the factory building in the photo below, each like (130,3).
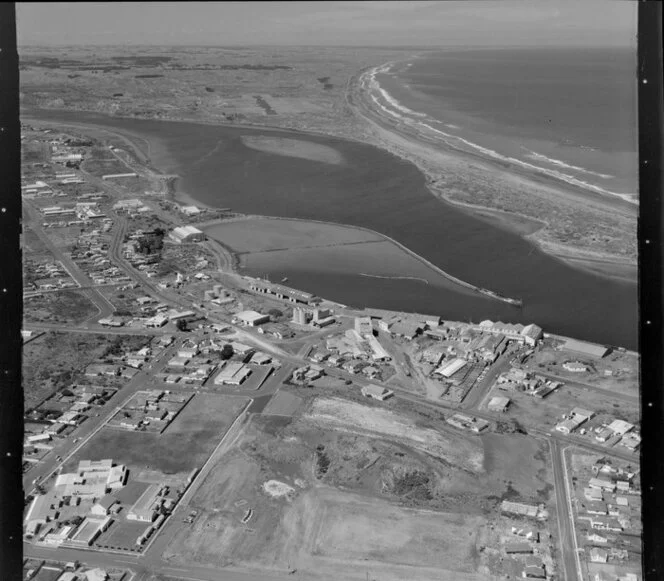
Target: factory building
(364,326)
(183,234)
(300,316)
(583,348)
(252,318)
(282,292)
(447,370)
(146,507)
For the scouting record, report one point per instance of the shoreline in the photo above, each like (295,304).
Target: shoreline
(410,146)
(392,141)
(384,237)
(366,83)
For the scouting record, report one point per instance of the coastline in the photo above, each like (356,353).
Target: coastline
(435,159)
(368,85)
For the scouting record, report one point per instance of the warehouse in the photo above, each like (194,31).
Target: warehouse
(89,530)
(232,374)
(499,404)
(186,234)
(449,369)
(583,348)
(145,508)
(282,292)
(252,318)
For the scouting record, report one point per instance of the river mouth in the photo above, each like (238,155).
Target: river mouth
(381,192)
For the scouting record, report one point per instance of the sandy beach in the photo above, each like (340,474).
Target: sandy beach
(505,195)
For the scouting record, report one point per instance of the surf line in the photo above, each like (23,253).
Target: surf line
(424,280)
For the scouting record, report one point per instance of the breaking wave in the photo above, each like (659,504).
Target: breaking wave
(538,156)
(390,106)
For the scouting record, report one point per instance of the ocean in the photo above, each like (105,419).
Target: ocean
(377,190)
(569,112)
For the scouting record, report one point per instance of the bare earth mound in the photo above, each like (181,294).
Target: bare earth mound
(356,418)
(294,148)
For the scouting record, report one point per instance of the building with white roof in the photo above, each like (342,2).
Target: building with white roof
(186,234)
(584,348)
(449,369)
(190,210)
(620,427)
(376,392)
(252,318)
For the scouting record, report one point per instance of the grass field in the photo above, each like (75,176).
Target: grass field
(282,404)
(183,446)
(122,535)
(67,306)
(130,493)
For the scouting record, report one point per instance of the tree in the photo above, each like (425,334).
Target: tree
(181,325)
(276,314)
(226,352)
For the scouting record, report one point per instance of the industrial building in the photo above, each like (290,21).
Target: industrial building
(447,370)
(378,352)
(282,292)
(519,508)
(111,176)
(146,507)
(232,373)
(89,530)
(190,210)
(499,404)
(300,316)
(183,234)
(364,326)
(576,418)
(530,334)
(252,318)
(583,348)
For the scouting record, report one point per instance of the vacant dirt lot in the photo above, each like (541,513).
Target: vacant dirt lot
(183,446)
(353,508)
(519,463)
(334,413)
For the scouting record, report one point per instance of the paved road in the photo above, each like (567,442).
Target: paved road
(565,515)
(95,328)
(145,568)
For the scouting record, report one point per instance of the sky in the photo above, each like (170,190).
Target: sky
(399,23)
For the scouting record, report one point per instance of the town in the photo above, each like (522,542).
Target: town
(176,408)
